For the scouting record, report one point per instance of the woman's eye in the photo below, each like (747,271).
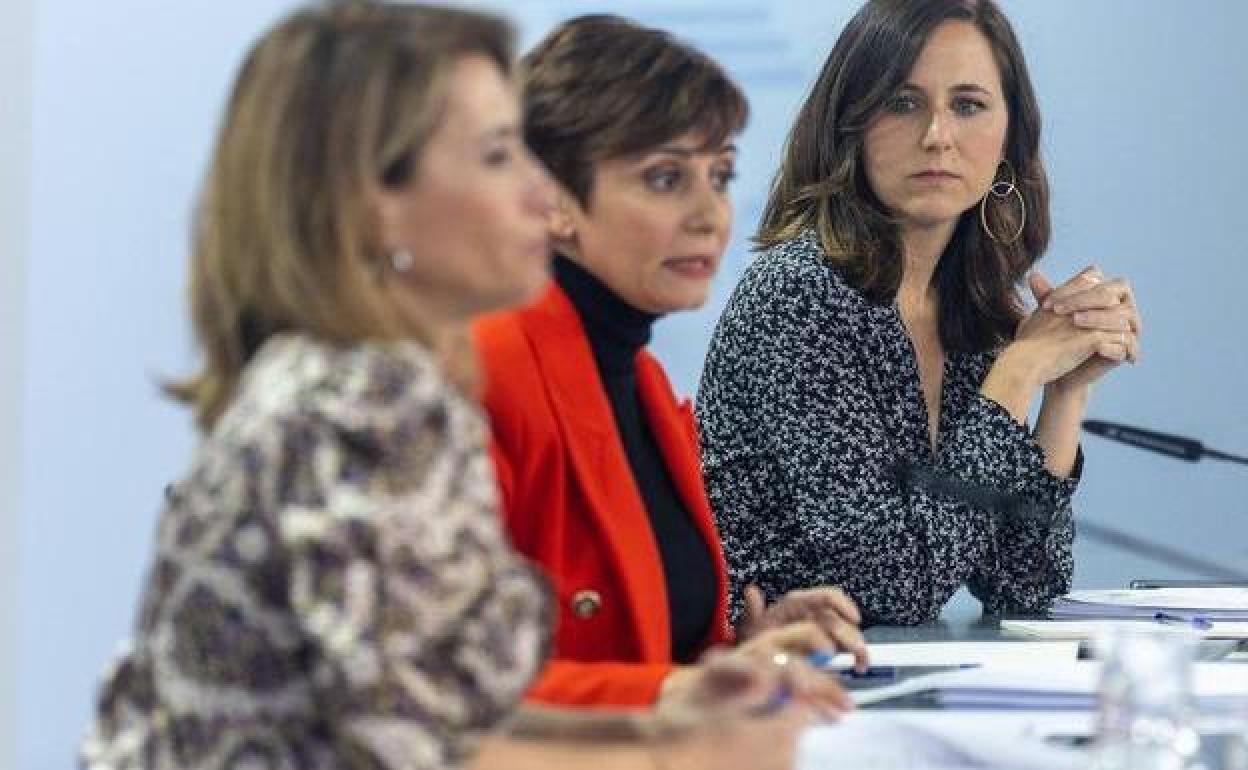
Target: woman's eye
(902,105)
(498,156)
(968,107)
(662,180)
(722,179)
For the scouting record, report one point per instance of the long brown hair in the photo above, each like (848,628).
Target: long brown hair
(822,182)
(335,101)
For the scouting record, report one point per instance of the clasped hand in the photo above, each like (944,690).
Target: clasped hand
(1079,330)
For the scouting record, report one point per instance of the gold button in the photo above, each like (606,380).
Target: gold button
(586,603)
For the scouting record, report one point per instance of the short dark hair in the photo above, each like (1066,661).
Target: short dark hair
(822,183)
(602,86)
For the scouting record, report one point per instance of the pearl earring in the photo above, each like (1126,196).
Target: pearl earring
(401,260)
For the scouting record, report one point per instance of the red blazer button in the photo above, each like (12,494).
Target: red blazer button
(586,603)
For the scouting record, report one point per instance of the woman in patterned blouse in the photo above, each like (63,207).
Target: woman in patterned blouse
(865,399)
(331,586)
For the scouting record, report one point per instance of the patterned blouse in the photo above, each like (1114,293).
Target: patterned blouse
(819,465)
(331,586)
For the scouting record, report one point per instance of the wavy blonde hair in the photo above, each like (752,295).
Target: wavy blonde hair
(334,102)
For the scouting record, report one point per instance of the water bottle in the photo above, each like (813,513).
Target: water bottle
(1147,718)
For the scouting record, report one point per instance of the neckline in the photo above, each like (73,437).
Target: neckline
(617,331)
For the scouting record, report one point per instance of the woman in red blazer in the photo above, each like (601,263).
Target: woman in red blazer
(597,460)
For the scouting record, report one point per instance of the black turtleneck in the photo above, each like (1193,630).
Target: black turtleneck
(617,331)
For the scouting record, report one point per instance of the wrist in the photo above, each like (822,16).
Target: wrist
(1075,395)
(674,682)
(671,737)
(678,754)
(683,749)
(1012,382)
(1015,367)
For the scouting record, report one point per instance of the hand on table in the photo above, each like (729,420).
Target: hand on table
(737,712)
(827,608)
(772,660)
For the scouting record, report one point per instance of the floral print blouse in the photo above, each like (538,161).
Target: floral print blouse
(819,466)
(331,586)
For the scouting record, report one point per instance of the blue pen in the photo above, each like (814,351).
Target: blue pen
(1198,622)
(778,700)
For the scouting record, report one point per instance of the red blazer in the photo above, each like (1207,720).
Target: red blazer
(571,503)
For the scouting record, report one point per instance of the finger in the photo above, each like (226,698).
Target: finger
(1110,320)
(796,639)
(1128,318)
(724,684)
(814,601)
(1103,295)
(1112,346)
(847,638)
(818,689)
(755,608)
(1040,286)
(845,606)
(730,678)
(806,638)
(1133,348)
(1084,279)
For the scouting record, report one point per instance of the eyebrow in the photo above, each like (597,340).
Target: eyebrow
(971,88)
(960,88)
(500,132)
(686,152)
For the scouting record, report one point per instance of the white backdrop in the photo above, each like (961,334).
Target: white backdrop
(1145,108)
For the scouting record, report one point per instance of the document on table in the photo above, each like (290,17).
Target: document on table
(1073,686)
(1091,629)
(1219,604)
(994,653)
(932,740)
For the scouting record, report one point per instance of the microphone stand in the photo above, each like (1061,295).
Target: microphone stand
(1226,456)
(1178,447)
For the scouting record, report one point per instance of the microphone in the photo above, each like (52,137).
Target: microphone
(1179,447)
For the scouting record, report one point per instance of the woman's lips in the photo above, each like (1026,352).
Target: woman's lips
(692,267)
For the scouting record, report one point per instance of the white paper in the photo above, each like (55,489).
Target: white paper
(1091,629)
(1217,598)
(1049,684)
(931,740)
(996,653)
(1221,604)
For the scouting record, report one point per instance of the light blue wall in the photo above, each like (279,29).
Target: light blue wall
(1145,106)
(16,34)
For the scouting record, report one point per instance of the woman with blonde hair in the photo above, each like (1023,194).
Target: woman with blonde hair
(331,586)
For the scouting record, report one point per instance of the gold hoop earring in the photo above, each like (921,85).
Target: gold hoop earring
(1001,190)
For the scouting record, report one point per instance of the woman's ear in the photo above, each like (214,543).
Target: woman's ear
(562,219)
(387,208)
